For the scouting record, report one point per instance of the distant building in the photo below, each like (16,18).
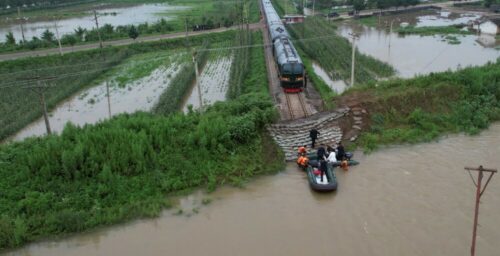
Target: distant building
(495,7)
(293,18)
(490,27)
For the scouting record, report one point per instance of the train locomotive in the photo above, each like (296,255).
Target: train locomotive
(291,71)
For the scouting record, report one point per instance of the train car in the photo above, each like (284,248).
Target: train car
(291,71)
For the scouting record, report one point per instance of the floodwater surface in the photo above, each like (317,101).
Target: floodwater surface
(403,200)
(114,16)
(338,86)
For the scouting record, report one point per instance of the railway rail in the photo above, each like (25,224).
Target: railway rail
(296,106)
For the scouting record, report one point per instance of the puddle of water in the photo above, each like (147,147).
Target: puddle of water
(214,82)
(91,105)
(338,86)
(124,16)
(411,55)
(404,200)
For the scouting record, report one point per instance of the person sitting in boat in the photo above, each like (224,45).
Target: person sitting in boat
(302,151)
(344,164)
(340,151)
(321,153)
(303,161)
(332,158)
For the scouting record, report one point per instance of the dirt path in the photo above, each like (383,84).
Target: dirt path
(18,55)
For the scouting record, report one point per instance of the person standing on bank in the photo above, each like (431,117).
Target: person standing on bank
(313,134)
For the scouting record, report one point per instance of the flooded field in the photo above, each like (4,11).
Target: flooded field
(411,55)
(91,105)
(114,16)
(404,200)
(338,86)
(214,79)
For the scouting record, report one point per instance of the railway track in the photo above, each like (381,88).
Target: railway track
(296,106)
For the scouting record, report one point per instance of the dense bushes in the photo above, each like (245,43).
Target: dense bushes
(421,109)
(124,167)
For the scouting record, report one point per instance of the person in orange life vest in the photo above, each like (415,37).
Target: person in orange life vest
(302,150)
(303,161)
(344,164)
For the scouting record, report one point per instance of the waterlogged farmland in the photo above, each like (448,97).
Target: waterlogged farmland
(434,48)
(134,85)
(213,79)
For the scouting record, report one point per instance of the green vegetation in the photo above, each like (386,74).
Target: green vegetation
(19,105)
(426,31)
(127,167)
(123,168)
(323,89)
(240,65)
(423,108)
(371,21)
(201,15)
(319,41)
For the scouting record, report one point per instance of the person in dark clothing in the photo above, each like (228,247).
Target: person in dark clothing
(323,167)
(340,151)
(313,134)
(321,153)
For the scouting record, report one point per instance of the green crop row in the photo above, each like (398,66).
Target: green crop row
(240,65)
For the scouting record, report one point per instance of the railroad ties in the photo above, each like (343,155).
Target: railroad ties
(289,135)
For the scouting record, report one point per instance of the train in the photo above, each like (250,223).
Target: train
(291,71)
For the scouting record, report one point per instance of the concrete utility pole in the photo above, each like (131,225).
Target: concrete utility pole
(39,89)
(21,20)
(314,5)
(109,99)
(200,98)
(479,193)
(57,36)
(390,31)
(97,26)
(353,36)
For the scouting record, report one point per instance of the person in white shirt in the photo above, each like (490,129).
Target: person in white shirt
(331,158)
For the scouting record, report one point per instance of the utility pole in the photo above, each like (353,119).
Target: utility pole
(39,89)
(200,98)
(353,36)
(97,26)
(479,193)
(390,31)
(57,36)
(109,99)
(314,9)
(186,27)
(21,20)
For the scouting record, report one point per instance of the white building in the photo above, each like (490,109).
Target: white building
(490,27)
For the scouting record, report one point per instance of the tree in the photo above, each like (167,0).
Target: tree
(69,39)
(358,5)
(48,36)
(132,32)
(80,32)
(9,38)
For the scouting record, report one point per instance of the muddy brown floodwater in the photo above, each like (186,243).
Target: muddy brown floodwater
(403,200)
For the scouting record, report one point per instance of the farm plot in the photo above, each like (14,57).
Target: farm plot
(214,79)
(319,40)
(134,86)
